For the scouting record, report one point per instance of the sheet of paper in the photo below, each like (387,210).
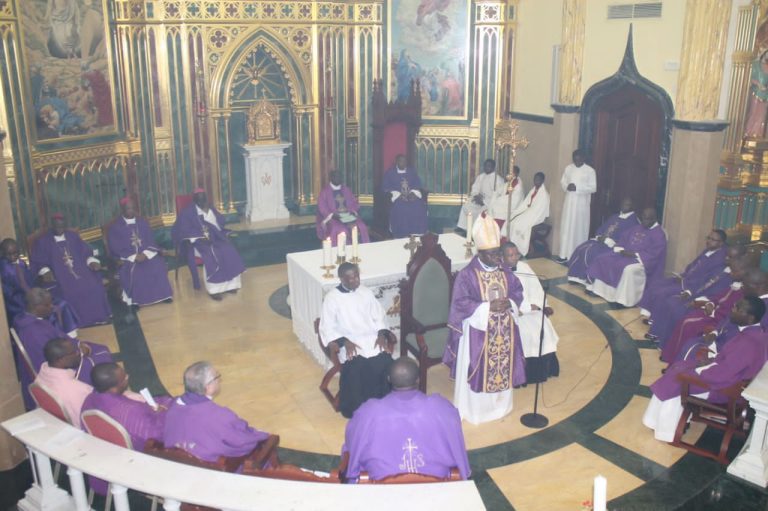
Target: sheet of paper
(148,397)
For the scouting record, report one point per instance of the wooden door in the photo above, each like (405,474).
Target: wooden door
(626,151)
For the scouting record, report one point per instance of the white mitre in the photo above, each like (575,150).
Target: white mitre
(485,233)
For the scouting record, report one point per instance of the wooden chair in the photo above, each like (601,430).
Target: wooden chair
(332,352)
(410,478)
(425,301)
(730,417)
(185,254)
(264,454)
(23,353)
(49,402)
(539,245)
(277,470)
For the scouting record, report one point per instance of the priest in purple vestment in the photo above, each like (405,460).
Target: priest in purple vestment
(200,226)
(18,280)
(484,351)
(35,330)
(602,244)
(338,211)
(741,358)
(204,429)
(61,255)
(405,432)
(638,258)
(408,212)
(143,273)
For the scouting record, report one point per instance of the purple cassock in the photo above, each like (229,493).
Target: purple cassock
(17,280)
(587,252)
(489,369)
(649,244)
(145,282)
(741,358)
(34,333)
(406,431)
(696,322)
(221,260)
(80,286)
(331,202)
(406,215)
(201,427)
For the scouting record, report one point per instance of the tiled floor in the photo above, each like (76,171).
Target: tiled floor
(594,406)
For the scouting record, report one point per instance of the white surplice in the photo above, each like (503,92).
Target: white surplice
(532,211)
(490,187)
(502,204)
(356,315)
(574,222)
(529,323)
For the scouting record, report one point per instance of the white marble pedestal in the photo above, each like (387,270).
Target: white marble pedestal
(752,462)
(264,180)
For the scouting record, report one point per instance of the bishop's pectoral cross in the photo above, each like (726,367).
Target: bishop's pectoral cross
(135,241)
(69,262)
(341,203)
(205,230)
(405,189)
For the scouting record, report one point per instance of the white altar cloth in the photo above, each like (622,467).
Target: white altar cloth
(382,267)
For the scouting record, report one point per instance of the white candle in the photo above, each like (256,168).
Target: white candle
(327,252)
(341,244)
(354,241)
(469,227)
(599,496)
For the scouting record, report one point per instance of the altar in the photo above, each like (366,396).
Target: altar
(382,266)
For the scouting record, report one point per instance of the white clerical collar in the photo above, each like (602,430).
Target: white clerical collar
(201,212)
(401,171)
(654,226)
(59,239)
(335,187)
(736,286)
(130,221)
(741,328)
(764,296)
(709,252)
(727,269)
(626,215)
(487,268)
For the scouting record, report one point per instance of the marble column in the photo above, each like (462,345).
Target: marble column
(565,141)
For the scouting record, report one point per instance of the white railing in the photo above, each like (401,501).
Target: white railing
(752,462)
(48,438)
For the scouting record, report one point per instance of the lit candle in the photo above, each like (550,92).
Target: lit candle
(327,252)
(599,497)
(341,244)
(354,241)
(469,227)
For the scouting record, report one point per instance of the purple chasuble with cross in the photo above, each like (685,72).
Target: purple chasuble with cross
(406,215)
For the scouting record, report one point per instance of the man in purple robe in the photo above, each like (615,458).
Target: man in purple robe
(338,211)
(405,431)
(484,351)
(741,358)
(201,228)
(143,274)
(638,258)
(112,396)
(605,239)
(18,280)
(35,330)
(408,213)
(204,429)
(61,255)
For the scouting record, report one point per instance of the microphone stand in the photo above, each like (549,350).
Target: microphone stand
(535,419)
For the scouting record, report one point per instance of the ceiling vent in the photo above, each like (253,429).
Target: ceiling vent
(633,11)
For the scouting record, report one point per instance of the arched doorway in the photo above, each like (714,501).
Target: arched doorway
(626,131)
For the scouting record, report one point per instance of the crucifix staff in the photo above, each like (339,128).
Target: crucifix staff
(507,138)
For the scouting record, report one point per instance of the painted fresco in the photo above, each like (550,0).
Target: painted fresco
(428,43)
(66,50)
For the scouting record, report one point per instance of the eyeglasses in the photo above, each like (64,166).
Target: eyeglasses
(217,377)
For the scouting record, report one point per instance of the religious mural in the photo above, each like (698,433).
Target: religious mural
(66,52)
(428,43)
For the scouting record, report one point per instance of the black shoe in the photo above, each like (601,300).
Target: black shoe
(651,337)
(232,291)
(168,300)
(217,297)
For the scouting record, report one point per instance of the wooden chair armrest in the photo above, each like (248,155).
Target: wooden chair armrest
(263,454)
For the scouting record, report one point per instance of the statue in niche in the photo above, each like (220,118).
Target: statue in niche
(263,123)
(757,107)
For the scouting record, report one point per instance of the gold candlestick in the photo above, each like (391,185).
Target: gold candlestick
(341,259)
(355,260)
(469,245)
(328,274)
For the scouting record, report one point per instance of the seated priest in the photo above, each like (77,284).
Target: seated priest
(338,211)
(143,421)
(487,188)
(406,431)
(200,225)
(741,358)
(58,375)
(531,212)
(352,323)
(603,242)
(508,202)
(540,356)
(143,273)
(203,428)
(17,279)
(638,258)
(484,352)
(61,256)
(706,316)
(35,330)
(408,213)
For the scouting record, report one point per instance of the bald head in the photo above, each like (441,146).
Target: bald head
(404,374)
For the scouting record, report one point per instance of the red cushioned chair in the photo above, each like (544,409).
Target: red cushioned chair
(102,426)
(48,402)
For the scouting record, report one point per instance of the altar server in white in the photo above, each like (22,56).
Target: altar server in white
(531,212)
(579,183)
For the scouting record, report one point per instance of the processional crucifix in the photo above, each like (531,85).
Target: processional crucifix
(506,137)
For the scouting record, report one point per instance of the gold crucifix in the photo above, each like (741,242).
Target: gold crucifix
(507,138)
(135,240)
